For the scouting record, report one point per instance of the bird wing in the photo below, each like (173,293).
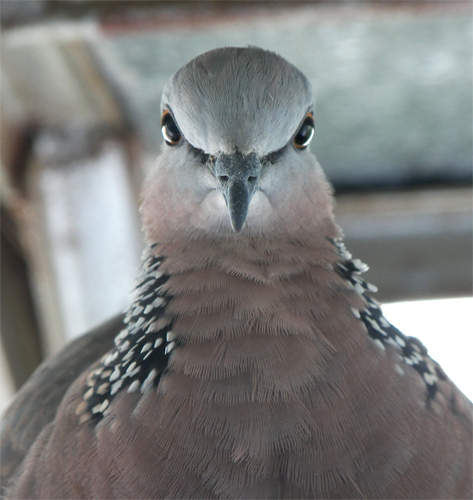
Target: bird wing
(36,403)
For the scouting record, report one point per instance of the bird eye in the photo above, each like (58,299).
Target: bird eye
(304,135)
(172,135)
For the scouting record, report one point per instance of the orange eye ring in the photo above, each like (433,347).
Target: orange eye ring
(304,134)
(171,133)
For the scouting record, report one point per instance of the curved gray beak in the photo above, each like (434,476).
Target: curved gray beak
(238,177)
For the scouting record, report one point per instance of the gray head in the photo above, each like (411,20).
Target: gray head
(236,124)
(244,99)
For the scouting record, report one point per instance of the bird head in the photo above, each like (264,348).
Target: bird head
(235,161)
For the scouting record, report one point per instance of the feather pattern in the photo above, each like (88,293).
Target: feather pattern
(294,398)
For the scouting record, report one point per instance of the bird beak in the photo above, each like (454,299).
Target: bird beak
(238,177)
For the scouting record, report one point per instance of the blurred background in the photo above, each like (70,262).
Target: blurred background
(80,92)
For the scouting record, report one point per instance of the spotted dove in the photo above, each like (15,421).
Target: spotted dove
(253,361)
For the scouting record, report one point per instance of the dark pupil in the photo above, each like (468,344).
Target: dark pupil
(171,129)
(304,133)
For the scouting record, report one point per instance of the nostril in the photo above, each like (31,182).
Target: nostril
(252,179)
(223,178)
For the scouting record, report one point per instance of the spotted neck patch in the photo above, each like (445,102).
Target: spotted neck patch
(142,348)
(381,331)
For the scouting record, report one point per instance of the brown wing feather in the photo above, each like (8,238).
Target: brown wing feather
(37,401)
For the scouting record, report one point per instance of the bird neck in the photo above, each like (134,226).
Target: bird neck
(252,323)
(265,318)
